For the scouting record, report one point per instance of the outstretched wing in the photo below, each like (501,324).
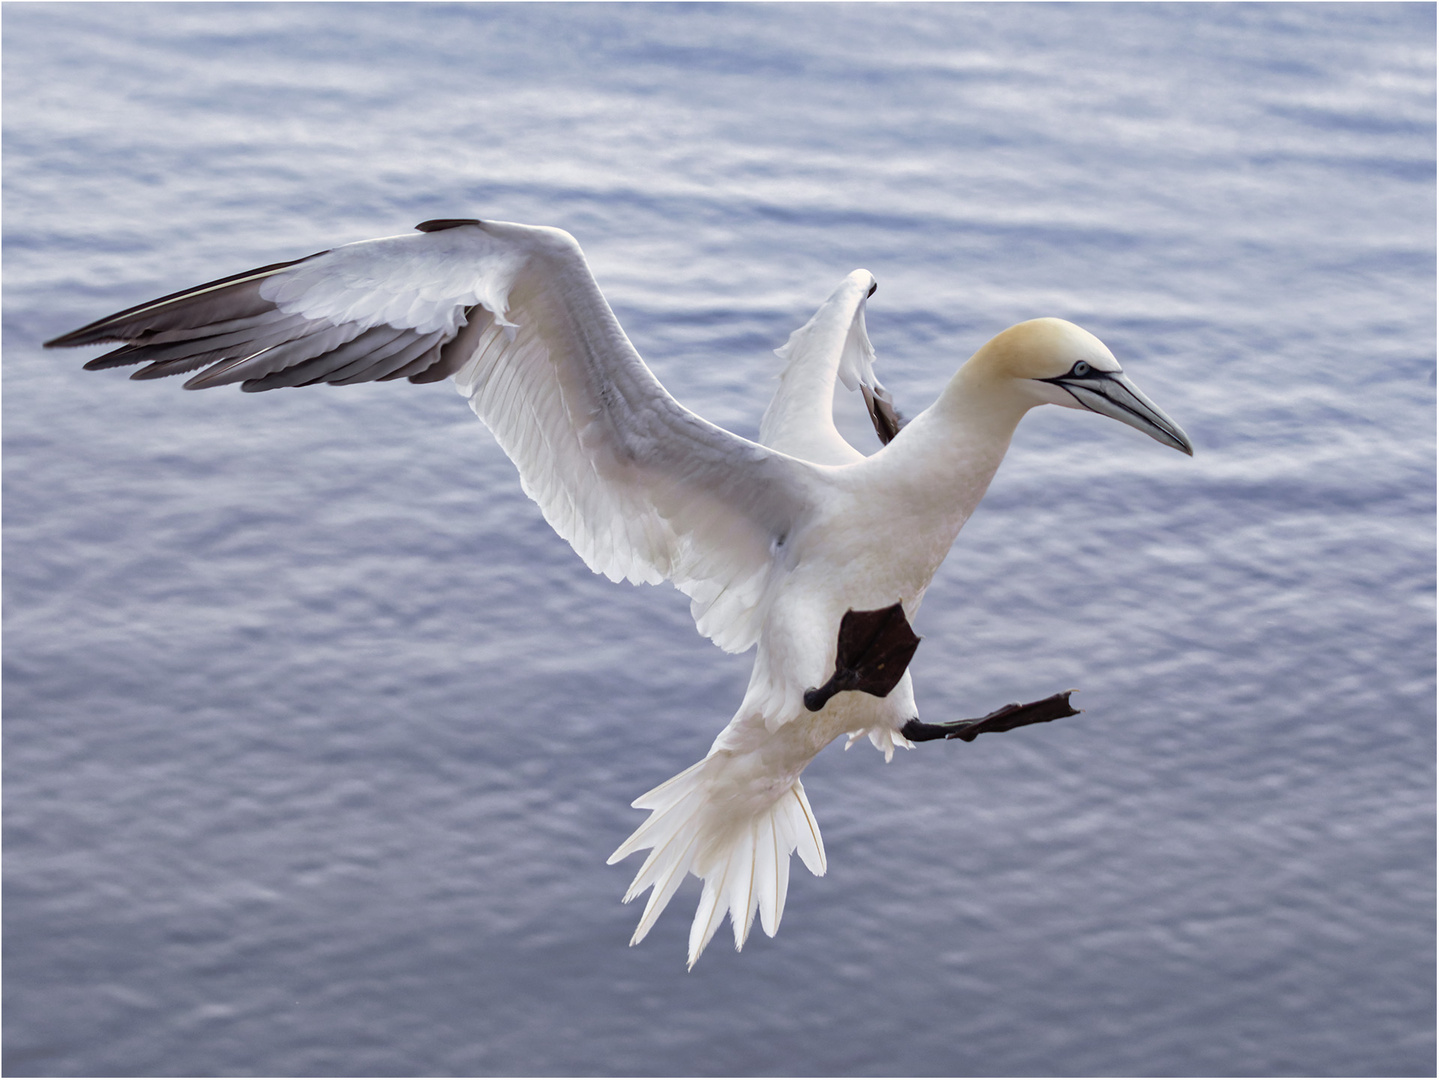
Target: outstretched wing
(640,486)
(834,343)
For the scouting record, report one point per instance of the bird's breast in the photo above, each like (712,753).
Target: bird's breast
(875,548)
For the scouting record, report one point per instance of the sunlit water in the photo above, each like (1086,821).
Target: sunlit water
(317,738)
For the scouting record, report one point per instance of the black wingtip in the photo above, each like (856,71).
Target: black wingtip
(441,224)
(886,419)
(121,327)
(84,336)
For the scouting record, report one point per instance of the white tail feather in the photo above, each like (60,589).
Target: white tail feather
(714,821)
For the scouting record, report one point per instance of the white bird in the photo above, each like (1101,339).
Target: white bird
(804,549)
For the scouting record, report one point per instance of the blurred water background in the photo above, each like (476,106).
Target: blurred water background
(316,738)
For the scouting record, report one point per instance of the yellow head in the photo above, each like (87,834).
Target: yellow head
(1051,361)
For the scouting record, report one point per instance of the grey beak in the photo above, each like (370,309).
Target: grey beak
(1112,394)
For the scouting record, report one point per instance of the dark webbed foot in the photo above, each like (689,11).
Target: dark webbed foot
(874,649)
(1008,718)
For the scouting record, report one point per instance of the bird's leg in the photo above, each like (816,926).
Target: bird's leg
(874,649)
(1007,718)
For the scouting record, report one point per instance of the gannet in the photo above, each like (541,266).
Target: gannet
(798,546)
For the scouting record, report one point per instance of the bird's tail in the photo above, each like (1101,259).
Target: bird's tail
(724,821)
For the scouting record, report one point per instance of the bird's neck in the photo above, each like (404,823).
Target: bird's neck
(952,450)
(980,406)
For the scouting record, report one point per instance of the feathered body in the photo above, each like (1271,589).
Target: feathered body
(774,542)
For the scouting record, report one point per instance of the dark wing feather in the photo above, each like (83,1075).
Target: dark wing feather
(209,307)
(882,414)
(232,331)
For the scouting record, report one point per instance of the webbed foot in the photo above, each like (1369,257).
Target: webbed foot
(875,647)
(1007,718)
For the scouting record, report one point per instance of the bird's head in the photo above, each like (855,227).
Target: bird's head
(1051,361)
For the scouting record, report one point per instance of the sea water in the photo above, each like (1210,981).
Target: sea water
(317,738)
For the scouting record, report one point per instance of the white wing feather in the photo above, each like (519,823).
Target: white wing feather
(641,487)
(644,489)
(834,344)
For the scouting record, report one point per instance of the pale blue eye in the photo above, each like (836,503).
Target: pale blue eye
(1080,369)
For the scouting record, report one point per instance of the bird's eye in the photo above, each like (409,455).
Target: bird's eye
(1080,369)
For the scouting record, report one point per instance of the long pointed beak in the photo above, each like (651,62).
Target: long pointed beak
(1112,394)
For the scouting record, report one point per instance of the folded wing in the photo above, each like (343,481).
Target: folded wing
(643,488)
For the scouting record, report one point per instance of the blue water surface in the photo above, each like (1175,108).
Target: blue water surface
(316,737)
